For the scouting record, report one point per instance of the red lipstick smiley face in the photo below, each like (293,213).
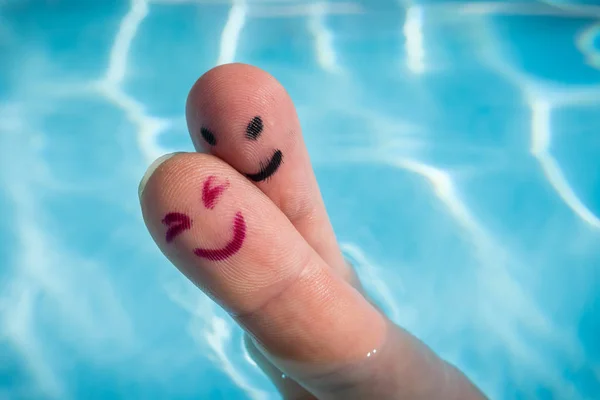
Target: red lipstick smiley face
(178,223)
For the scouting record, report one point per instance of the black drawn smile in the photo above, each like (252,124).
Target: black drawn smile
(267,169)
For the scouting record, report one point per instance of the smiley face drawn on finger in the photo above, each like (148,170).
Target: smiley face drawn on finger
(180,222)
(254,129)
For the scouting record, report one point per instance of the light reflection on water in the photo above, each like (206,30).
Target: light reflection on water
(482,119)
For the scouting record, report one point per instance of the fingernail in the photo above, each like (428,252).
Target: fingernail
(151,170)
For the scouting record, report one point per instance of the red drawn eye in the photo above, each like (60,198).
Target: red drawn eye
(211,192)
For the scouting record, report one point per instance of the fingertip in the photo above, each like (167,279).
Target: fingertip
(150,171)
(235,109)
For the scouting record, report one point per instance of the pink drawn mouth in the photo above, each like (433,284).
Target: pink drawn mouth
(234,245)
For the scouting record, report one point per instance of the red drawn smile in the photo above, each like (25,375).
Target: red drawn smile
(234,245)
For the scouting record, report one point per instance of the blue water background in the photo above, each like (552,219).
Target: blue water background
(479,122)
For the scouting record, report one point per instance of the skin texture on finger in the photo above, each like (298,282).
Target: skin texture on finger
(229,239)
(244,116)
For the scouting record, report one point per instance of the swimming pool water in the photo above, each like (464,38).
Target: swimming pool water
(479,120)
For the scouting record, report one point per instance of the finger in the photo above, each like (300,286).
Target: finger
(289,388)
(236,245)
(242,129)
(245,117)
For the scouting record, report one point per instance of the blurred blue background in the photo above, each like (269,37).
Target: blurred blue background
(480,119)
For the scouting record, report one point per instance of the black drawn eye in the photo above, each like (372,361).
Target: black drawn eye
(208,136)
(254,128)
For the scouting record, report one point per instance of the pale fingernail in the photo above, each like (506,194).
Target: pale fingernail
(151,170)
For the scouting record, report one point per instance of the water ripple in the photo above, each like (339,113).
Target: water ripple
(540,149)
